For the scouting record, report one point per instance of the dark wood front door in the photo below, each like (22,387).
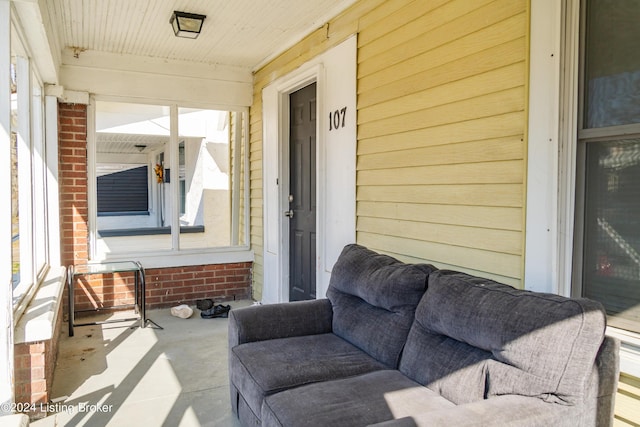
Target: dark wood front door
(302,198)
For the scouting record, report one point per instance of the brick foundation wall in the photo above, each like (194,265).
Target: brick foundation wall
(34,365)
(184,285)
(166,287)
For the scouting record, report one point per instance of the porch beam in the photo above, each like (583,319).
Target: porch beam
(127,76)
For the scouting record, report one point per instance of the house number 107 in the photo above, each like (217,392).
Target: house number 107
(336,119)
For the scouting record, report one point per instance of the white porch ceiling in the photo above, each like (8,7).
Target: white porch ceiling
(236,33)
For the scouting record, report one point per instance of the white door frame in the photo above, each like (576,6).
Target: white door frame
(334,73)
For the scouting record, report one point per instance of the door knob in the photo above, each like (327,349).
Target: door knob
(289,213)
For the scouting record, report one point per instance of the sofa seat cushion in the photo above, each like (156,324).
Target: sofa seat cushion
(374,297)
(261,368)
(357,401)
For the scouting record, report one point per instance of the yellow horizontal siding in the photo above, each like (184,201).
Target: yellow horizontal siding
(477,173)
(498,195)
(454,23)
(484,128)
(498,218)
(433,76)
(493,104)
(441,131)
(391,15)
(442,254)
(627,412)
(510,76)
(384,73)
(508,242)
(498,149)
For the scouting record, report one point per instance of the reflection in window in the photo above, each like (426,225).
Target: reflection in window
(15,183)
(608,191)
(612,63)
(612,229)
(152,193)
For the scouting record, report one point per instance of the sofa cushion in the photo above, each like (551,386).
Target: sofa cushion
(374,297)
(357,401)
(261,368)
(543,345)
(449,367)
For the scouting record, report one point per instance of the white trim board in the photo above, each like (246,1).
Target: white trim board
(335,75)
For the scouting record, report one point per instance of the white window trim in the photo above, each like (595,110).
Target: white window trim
(174,257)
(31,124)
(542,237)
(552,166)
(6,300)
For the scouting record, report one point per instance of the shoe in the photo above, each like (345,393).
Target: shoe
(204,304)
(216,311)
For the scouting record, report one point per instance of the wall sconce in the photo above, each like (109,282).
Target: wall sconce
(186,24)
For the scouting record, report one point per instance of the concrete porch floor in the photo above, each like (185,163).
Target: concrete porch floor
(122,375)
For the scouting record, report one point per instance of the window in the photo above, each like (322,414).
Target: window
(29,208)
(608,190)
(168,178)
(124,191)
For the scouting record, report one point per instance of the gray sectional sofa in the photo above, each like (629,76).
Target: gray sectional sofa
(397,344)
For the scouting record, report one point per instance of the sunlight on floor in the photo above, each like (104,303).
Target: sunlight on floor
(121,375)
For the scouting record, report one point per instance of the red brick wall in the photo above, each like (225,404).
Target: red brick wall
(221,282)
(72,155)
(167,287)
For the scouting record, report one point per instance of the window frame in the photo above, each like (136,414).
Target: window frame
(552,158)
(574,140)
(584,137)
(34,194)
(175,256)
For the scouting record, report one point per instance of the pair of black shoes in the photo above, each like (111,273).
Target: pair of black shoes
(209,310)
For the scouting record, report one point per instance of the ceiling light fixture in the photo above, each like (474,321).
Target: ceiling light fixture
(186,24)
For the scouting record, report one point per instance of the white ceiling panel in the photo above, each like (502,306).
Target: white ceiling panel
(239,33)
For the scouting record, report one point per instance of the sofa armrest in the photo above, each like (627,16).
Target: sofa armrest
(289,319)
(503,411)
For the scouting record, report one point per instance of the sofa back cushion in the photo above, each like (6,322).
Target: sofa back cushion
(524,343)
(374,298)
